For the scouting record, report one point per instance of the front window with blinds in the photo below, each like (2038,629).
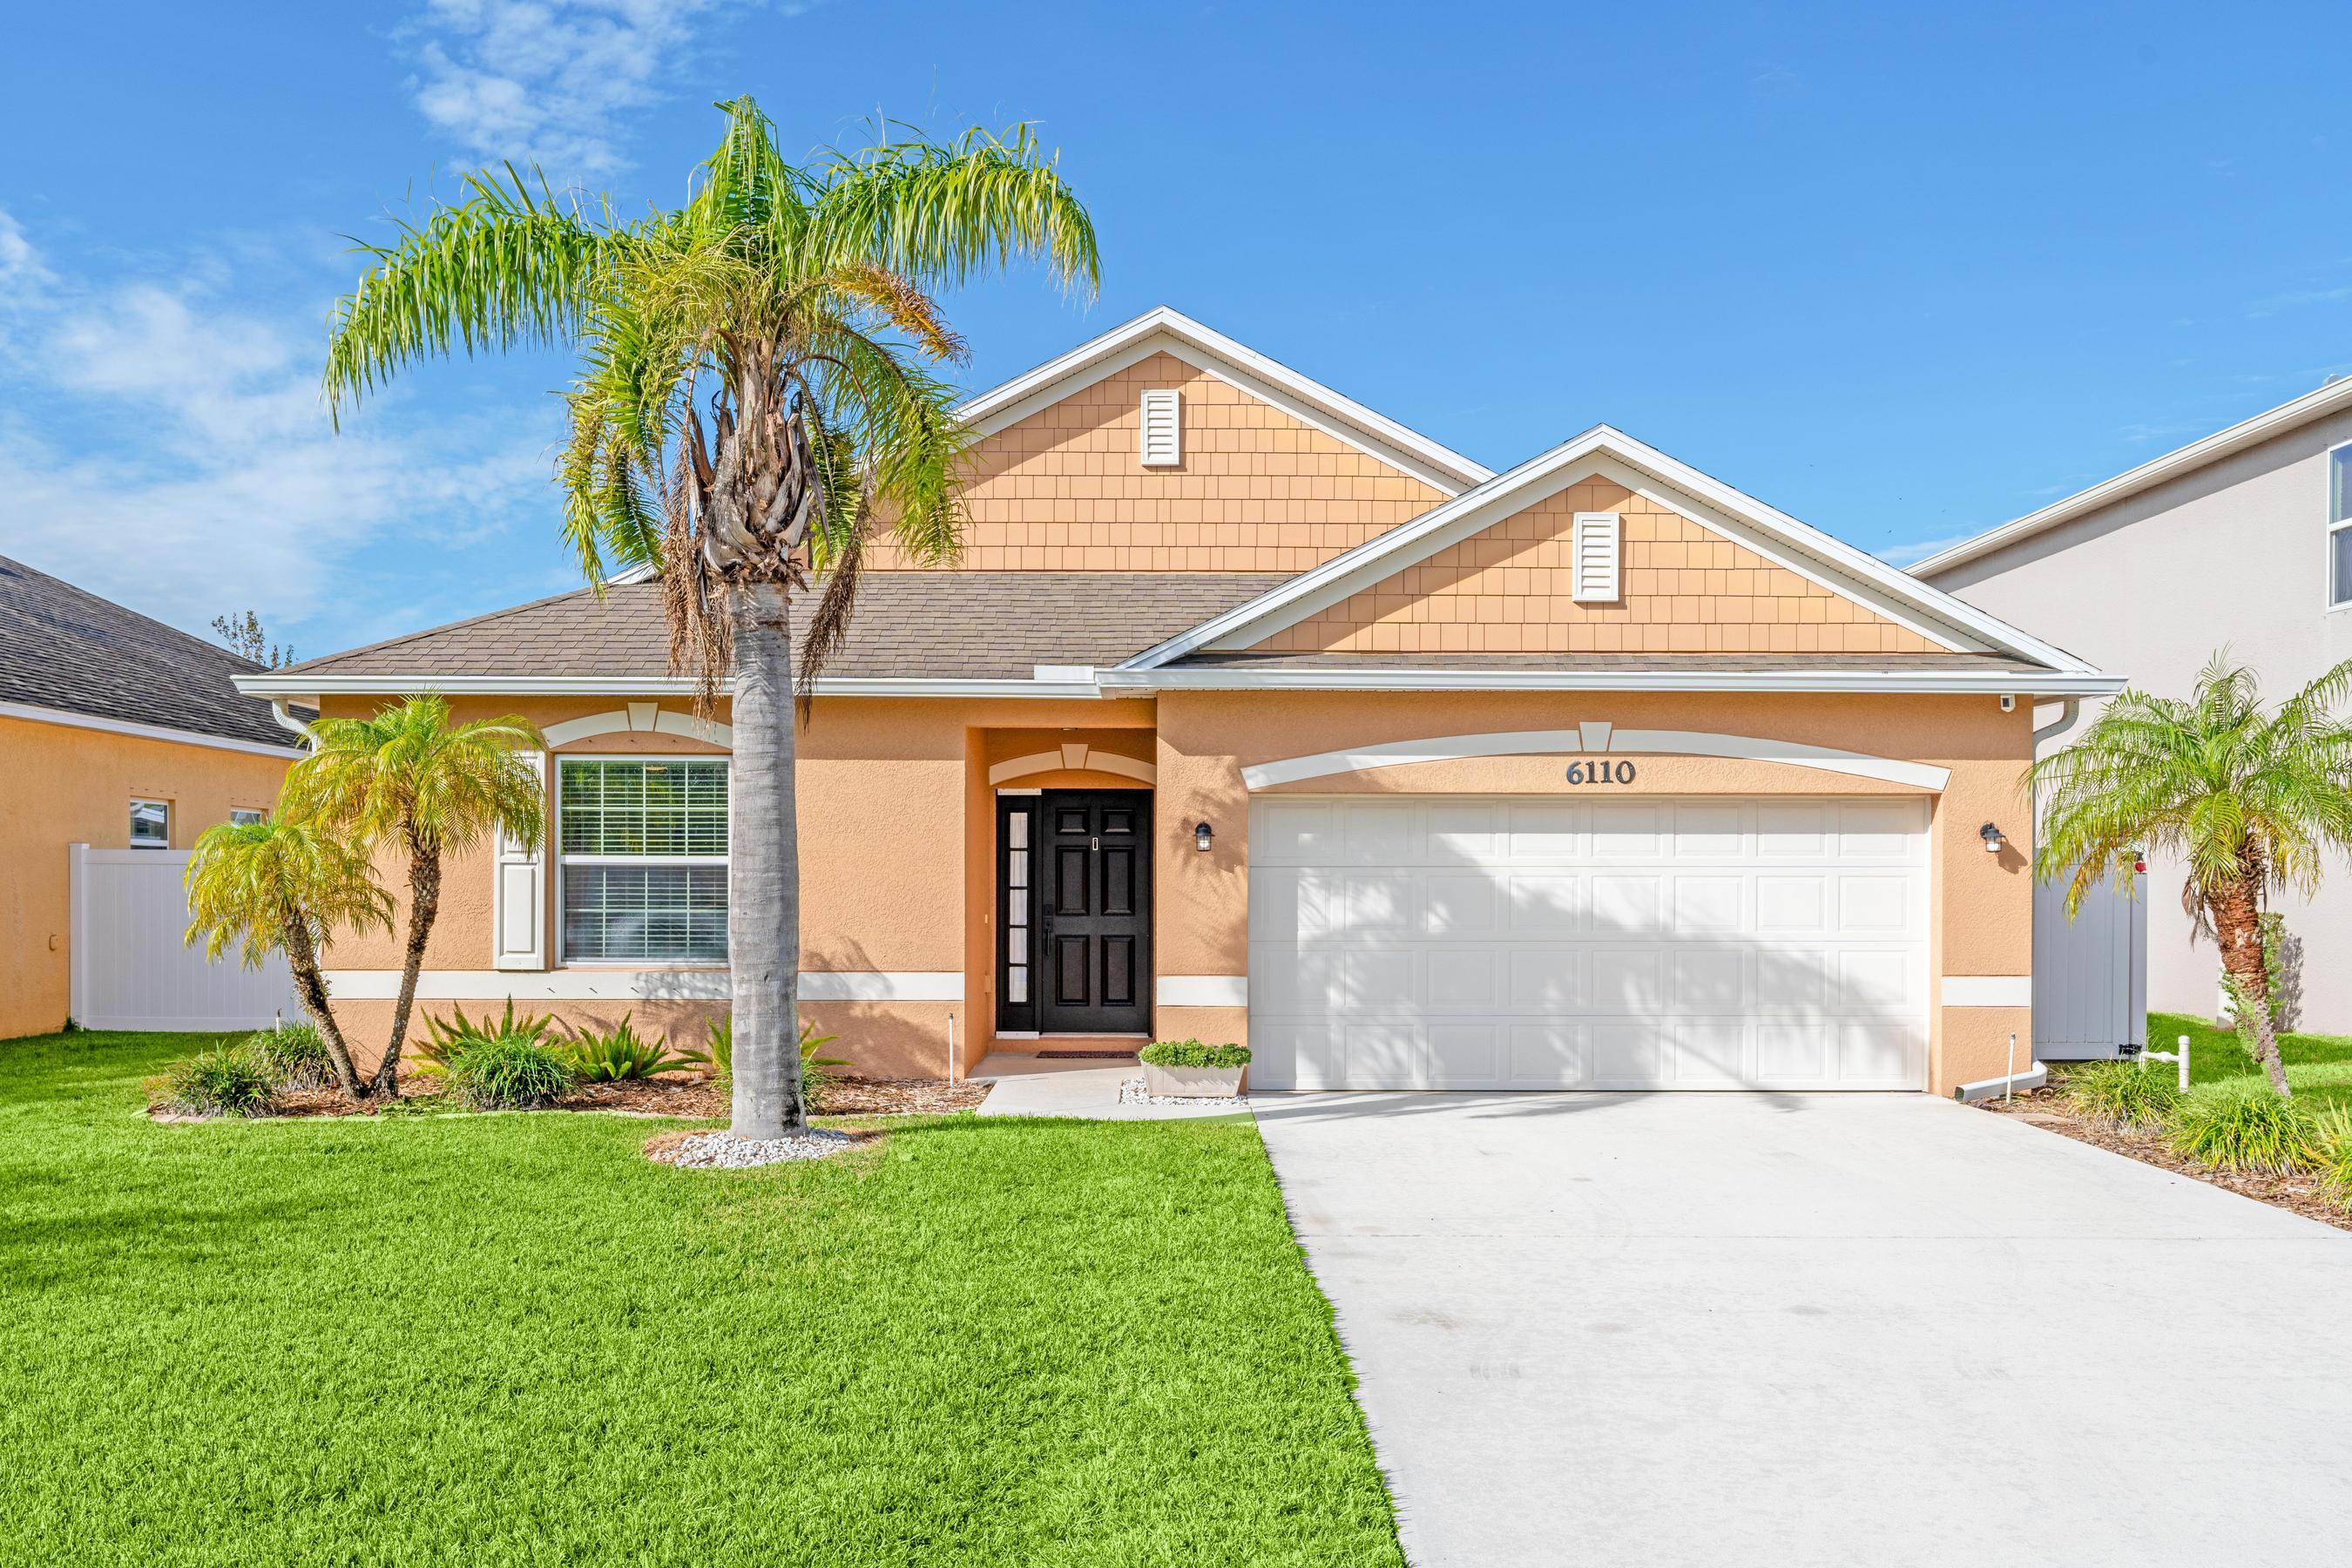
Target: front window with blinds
(642,851)
(2339,526)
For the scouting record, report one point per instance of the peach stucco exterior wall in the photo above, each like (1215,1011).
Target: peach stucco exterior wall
(73,786)
(1981,905)
(1065,489)
(1687,589)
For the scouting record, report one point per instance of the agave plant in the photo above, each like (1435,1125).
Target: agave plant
(620,1054)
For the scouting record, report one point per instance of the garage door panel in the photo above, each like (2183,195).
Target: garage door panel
(1469,942)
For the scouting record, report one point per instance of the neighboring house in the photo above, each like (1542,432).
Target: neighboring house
(2242,539)
(1252,715)
(118,732)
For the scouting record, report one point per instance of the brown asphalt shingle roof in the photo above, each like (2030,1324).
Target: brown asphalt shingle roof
(967,626)
(64,648)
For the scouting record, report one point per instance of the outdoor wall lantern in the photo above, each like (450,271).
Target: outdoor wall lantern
(1991,836)
(1202,838)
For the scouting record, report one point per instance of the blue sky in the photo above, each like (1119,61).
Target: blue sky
(1906,274)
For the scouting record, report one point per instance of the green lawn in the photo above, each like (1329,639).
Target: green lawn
(2318,1067)
(510,1339)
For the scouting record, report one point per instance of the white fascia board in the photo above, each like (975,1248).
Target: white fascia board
(1127,682)
(73,720)
(1164,329)
(318,683)
(1849,570)
(2329,399)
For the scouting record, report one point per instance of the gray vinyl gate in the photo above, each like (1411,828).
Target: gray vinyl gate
(129,968)
(2090,974)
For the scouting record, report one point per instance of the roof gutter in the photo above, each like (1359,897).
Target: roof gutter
(2052,683)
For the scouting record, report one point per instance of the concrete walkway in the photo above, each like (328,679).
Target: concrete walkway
(1835,1329)
(1025,1086)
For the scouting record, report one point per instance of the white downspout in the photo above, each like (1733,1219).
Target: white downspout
(287,721)
(2061,724)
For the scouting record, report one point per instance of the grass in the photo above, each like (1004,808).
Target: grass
(2318,1067)
(510,1339)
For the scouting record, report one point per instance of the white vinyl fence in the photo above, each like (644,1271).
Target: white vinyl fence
(132,970)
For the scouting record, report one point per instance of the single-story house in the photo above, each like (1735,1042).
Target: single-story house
(1250,714)
(119,732)
(2219,543)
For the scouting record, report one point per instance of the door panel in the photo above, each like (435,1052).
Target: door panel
(1464,942)
(1097,898)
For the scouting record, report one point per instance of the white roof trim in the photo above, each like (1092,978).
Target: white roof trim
(2332,398)
(1780,538)
(1162,329)
(317,683)
(1576,678)
(73,720)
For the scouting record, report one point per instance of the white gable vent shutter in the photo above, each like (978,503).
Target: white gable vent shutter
(1163,429)
(1595,545)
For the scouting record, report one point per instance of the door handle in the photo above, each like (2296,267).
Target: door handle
(1094,843)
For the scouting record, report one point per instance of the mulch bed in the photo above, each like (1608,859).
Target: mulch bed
(2046,1107)
(697,1099)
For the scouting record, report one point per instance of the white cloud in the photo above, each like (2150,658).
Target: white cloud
(545,81)
(1911,554)
(171,453)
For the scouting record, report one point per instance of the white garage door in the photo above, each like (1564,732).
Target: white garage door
(1443,941)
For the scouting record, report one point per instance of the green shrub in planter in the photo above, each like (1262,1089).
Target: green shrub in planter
(235,1082)
(295,1055)
(620,1053)
(446,1040)
(2331,1141)
(2252,1132)
(2123,1094)
(510,1072)
(1193,1054)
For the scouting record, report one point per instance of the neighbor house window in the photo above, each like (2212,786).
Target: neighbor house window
(151,825)
(642,852)
(245,816)
(2339,526)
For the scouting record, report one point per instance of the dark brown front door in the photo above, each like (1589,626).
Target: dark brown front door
(1094,863)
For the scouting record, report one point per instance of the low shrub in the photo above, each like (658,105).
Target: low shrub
(295,1056)
(510,1072)
(2331,1142)
(816,1075)
(447,1039)
(1193,1054)
(2245,1131)
(2123,1094)
(619,1054)
(233,1082)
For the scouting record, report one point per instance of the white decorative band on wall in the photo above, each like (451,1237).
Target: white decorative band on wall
(1541,742)
(1987,990)
(1203,990)
(678,985)
(877,986)
(1076,756)
(543,986)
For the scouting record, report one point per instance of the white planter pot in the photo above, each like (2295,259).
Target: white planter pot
(1192,1083)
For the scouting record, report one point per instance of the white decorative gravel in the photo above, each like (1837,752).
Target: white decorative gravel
(1132,1092)
(724,1151)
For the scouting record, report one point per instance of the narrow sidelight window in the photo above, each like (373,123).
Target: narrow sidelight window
(2339,526)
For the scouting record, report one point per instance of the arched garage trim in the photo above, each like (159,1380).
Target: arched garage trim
(1589,737)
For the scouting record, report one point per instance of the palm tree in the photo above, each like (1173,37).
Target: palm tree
(757,388)
(2251,799)
(281,886)
(411,777)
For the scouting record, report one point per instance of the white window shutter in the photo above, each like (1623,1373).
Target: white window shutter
(1163,429)
(518,893)
(1599,555)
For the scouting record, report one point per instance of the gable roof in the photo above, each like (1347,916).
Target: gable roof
(912,628)
(1164,330)
(1611,454)
(2332,398)
(66,650)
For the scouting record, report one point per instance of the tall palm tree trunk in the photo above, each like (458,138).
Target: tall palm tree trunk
(303,959)
(2237,916)
(763,891)
(423,903)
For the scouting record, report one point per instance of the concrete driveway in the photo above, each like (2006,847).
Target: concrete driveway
(1724,1328)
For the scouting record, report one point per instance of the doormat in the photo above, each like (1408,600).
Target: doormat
(1086,1055)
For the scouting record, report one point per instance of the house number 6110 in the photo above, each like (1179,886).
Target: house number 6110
(1600,773)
